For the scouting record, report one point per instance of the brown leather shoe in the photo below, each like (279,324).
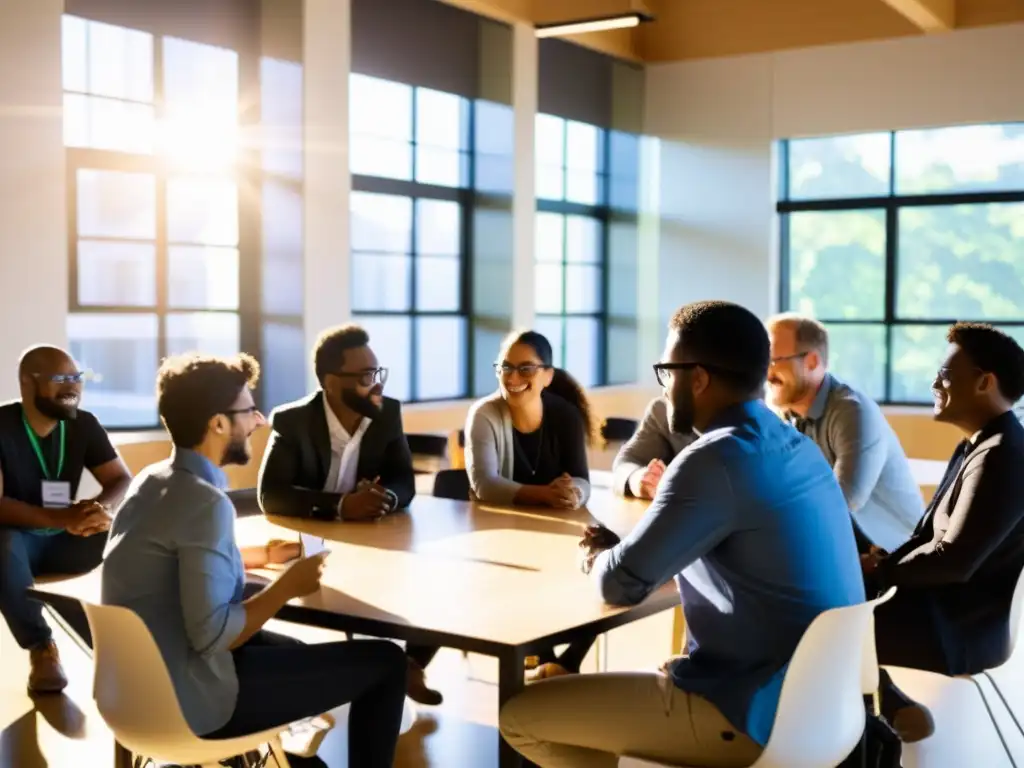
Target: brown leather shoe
(416,687)
(46,674)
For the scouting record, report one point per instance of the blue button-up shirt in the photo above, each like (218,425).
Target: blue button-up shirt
(751,522)
(173,560)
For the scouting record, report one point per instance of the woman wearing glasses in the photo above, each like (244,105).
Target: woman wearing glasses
(527,445)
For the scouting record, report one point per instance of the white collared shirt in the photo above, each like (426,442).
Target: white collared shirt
(343,474)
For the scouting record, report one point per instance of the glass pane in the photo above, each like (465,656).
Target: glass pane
(213,333)
(493,173)
(856,354)
(550,244)
(584,147)
(972,158)
(200,122)
(380,157)
(917,353)
(552,327)
(381,222)
(202,278)
(623,271)
(440,358)
(830,253)
(443,167)
(380,108)
(548,288)
(380,282)
(839,166)
(203,211)
(116,274)
(550,140)
(550,182)
(116,204)
(438,227)
(583,239)
(98,123)
(623,155)
(486,344)
(494,129)
(442,119)
(281,116)
(583,349)
(282,284)
(73,53)
(962,261)
(438,283)
(391,339)
(283,364)
(624,194)
(582,288)
(583,187)
(120,62)
(492,262)
(122,349)
(623,342)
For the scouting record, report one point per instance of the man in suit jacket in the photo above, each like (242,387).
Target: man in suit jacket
(341,454)
(957,573)
(641,462)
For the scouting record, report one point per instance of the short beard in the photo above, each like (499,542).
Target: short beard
(54,410)
(364,406)
(236,452)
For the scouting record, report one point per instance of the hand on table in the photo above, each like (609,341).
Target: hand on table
(280,551)
(563,493)
(643,483)
(596,539)
(368,502)
(870,561)
(302,577)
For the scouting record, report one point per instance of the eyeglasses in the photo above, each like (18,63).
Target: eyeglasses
(527,371)
(783,358)
(366,378)
(663,371)
(238,411)
(68,378)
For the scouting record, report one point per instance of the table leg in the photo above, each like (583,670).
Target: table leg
(122,757)
(510,682)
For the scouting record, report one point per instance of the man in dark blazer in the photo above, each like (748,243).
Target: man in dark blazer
(957,573)
(341,454)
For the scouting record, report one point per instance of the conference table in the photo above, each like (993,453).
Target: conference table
(503,582)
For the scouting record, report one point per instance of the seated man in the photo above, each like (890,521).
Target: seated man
(957,573)
(640,463)
(45,444)
(341,454)
(173,560)
(750,521)
(883,497)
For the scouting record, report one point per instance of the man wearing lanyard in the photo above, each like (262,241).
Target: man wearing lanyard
(45,444)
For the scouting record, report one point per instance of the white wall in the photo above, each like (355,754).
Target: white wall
(718,118)
(33,221)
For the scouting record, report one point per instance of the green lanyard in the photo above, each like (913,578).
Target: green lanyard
(39,451)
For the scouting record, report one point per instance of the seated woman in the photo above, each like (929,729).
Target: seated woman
(172,559)
(527,445)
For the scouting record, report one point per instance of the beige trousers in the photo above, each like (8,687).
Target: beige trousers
(589,721)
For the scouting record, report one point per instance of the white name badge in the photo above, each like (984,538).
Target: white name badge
(311,545)
(56,494)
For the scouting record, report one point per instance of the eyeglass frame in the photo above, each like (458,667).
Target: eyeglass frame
(527,370)
(366,378)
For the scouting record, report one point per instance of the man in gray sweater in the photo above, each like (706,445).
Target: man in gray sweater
(640,463)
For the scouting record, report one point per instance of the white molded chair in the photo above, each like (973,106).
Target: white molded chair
(978,718)
(821,714)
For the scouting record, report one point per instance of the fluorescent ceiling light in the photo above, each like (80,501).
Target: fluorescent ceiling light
(591,25)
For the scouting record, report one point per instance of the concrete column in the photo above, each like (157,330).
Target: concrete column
(33,211)
(524,195)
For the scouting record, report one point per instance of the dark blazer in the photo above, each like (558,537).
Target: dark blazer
(967,552)
(298,458)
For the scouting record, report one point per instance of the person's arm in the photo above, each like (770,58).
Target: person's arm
(857,435)
(18,514)
(574,444)
(276,490)
(482,457)
(693,511)
(649,442)
(990,507)
(105,464)
(396,473)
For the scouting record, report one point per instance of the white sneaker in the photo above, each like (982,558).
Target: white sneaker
(303,738)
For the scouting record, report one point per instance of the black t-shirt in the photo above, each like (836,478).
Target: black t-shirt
(86,445)
(558,446)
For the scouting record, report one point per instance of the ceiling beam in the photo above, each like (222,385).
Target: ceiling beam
(927,15)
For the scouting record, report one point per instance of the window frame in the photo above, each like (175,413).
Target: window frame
(890,204)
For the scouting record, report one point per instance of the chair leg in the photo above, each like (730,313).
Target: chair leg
(278,752)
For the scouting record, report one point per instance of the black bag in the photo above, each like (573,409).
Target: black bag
(880,746)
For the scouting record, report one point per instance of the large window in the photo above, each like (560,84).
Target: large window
(410,160)
(151,125)
(888,238)
(571,254)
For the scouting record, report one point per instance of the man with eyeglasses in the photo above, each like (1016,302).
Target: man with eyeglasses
(46,442)
(341,453)
(881,493)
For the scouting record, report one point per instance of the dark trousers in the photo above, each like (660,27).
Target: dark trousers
(905,634)
(24,556)
(571,658)
(281,680)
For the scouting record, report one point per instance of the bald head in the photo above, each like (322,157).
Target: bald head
(51,384)
(799,334)
(41,359)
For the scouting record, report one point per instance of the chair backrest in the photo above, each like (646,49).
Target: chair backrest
(452,484)
(616,430)
(246,501)
(1017,619)
(428,445)
(821,712)
(131,685)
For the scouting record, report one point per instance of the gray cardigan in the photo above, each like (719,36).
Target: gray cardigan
(490,453)
(653,439)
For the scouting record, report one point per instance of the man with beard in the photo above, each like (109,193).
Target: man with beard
(341,454)
(45,444)
(881,493)
(173,560)
(750,522)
